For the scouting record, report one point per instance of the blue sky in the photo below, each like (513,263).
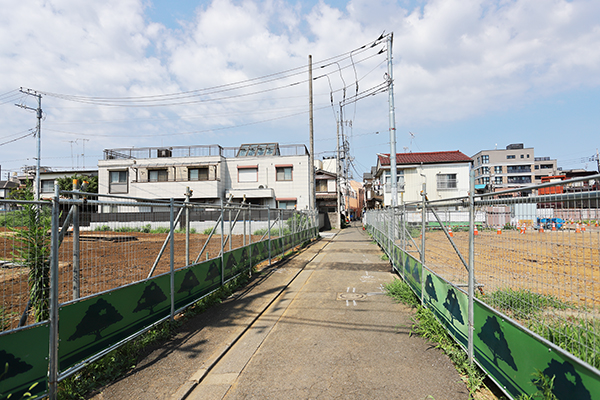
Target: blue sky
(469,75)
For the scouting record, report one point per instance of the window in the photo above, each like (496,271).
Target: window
(485,180)
(510,157)
(284,173)
(248,173)
(485,159)
(158,175)
(498,180)
(47,185)
(399,178)
(198,174)
(486,170)
(117,182)
(321,185)
(286,204)
(498,169)
(537,167)
(446,181)
(512,169)
(519,179)
(546,166)
(522,156)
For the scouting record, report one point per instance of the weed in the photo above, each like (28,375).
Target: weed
(120,361)
(207,231)
(160,229)
(521,303)
(384,257)
(426,325)
(103,228)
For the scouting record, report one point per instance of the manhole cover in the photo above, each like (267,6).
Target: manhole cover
(351,296)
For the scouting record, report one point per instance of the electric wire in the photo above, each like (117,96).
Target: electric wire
(19,138)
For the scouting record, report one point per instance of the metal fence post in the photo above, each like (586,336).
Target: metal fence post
(423,225)
(53,311)
(269,231)
(230,229)
(76,250)
(172,256)
(471,313)
(222,244)
(281,231)
(188,194)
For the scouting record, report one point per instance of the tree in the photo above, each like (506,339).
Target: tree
(98,317)
(453,306)
(66,183)
(430,288)
(567,382)
(152,296)
(11,366)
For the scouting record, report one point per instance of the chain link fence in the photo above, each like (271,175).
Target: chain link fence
(535,257)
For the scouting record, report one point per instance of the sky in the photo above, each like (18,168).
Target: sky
(468,75)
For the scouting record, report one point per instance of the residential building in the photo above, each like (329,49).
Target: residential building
(49,175)
(513,167)
(445,173)
(326,194)
(263,173)
(5,188)
(355,199)
(372,192)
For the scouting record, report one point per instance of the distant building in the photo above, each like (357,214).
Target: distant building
(264,174)
(49,175)
(446,174)
(513,167)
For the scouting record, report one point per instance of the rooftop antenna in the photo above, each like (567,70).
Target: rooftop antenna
(405,149)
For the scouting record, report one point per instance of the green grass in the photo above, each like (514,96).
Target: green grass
(384,257)
(425,324)
(207,231)
(144,229)
(274,232)
(521,303)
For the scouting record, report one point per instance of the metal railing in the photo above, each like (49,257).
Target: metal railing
(515,280)
(110,276)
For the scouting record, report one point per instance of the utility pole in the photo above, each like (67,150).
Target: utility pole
(38,111)
(312,200)
(597,160)
(337,180)
(390,77)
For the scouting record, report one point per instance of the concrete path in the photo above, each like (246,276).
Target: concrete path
(318,326)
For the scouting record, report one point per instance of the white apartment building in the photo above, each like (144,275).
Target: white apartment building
(445,173)
(513,167)
(264,173)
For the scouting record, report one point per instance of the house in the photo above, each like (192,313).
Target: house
(266,174)
(446,174)
(5,188)
(49,175)
(513,167)
(326,194)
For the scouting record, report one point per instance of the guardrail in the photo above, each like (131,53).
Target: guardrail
(515,279)
(108,280)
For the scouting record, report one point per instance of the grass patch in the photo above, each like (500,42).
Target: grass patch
(274,232)
(521,303)
(384,257)
(426,325)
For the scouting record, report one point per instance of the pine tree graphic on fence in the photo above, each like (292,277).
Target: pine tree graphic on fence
(453,306)
(430,288)
(567,382)
(190,281)
(152,296)
(213,272)
(11,366)
(98,317)
(491,334)
(416,274)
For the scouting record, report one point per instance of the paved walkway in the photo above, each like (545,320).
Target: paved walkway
(330,334)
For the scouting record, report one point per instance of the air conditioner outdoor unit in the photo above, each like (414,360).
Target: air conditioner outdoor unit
(164,152)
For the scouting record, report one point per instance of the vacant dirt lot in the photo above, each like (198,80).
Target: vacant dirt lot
(562,263)
(107,260)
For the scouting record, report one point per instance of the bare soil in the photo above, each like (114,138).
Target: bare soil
(107,260)
(562,263)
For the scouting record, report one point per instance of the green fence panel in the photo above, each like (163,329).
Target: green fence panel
(449,304)
(24,362)
(260,251)
(235,261)
(412,273)
(511,355)
(196,281)
(91,325)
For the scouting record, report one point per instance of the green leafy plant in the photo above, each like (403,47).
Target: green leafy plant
(425,324)
(34,251)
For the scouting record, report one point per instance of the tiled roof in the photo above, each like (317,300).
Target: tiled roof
(434,157)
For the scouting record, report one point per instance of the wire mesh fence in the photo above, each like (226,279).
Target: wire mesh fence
(536,255)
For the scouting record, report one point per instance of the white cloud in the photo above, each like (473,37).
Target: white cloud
(453,59)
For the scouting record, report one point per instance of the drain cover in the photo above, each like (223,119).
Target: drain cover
(351,296)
